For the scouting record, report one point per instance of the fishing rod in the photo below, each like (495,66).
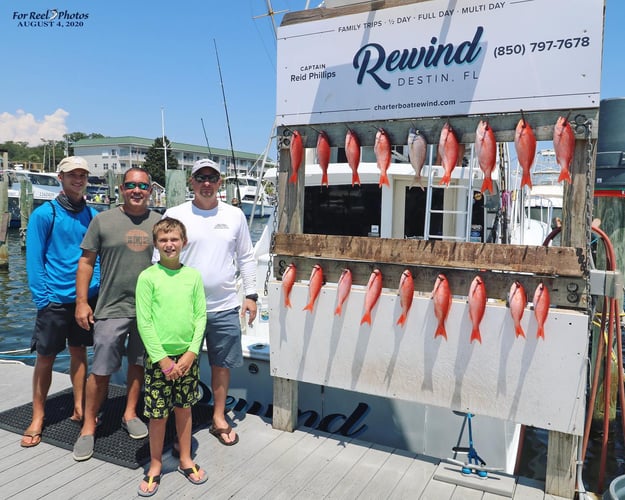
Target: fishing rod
(206,137)
(223,93)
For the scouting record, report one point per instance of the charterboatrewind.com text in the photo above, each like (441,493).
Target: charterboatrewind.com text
(50,18)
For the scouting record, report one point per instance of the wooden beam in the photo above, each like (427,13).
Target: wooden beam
(561,459)
(285,404)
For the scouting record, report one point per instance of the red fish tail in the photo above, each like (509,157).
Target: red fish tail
(519,331)
(384,180)
(475,335)
(526,180)
(366,318)
(540,333)
(309,307)
(487,185)
(402,320)
(293,178)
(324,179)
(287,301)
(445,180)
(355,179)
(565,175)
(440,331)
(338,310)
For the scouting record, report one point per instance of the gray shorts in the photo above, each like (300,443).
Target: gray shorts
(109,345)
(223,338)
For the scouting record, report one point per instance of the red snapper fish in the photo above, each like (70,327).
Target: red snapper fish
(477,306)
(517,300)
(448,151)
(288,279)
(442,303)
(406,294)
(296,150)
(314,286)
(374,289)
(352,151)
(541,308)
(344,287)
(486,152)
(382,150)
(417,151)
(525,145)
(323,156)
(564,145)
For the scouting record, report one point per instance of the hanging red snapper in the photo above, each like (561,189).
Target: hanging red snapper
(406,294)
(448,148)
(525,145)
(374,289)
(541,308)
(477,306)
(344,287)
(417,151)
(486,152)
(296,150)
(517,300)
(288,279)
(442,303)
(564,146)
(352,151)
(323,156)
(382,150)
(314,287)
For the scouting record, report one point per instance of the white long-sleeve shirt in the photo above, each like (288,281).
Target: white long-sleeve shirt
(219,244)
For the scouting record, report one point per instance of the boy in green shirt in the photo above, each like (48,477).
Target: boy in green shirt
(171,317)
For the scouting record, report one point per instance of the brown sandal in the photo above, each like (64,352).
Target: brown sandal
(35,439)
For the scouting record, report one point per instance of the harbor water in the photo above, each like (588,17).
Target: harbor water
(17,317)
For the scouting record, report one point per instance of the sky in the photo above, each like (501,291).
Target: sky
(125,68)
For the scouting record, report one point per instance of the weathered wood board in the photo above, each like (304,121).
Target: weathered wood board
(525,380)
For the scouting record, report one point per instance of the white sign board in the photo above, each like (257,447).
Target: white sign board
(441,58)
(532,381)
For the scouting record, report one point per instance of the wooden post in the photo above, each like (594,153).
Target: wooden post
(290,220)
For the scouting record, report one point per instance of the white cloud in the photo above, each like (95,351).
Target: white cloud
(27,128)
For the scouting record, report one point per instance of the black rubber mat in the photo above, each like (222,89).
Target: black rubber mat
(112,443)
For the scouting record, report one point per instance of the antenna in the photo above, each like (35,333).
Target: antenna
(206,137)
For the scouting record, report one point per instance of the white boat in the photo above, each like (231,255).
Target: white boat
(249,192)
(397,212)
(45,186)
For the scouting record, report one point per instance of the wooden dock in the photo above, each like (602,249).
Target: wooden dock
(267,463)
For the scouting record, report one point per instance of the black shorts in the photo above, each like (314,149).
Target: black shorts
(56,327)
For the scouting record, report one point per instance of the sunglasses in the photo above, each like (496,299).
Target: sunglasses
(144,186)
(212,178)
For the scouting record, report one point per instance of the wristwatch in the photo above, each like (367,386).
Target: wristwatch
(253,296)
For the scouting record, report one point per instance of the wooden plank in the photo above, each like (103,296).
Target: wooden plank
(285,403)
(5,218)
(389,474)
(546,261)
(504,126)
(561,457)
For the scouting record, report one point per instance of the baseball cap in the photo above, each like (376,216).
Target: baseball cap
(73,163)
(205,163)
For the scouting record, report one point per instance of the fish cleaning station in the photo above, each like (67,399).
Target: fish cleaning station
(375,77)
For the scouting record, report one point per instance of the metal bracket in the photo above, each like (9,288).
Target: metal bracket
(606,283)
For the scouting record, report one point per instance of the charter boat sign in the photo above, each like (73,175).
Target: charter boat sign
(441,58)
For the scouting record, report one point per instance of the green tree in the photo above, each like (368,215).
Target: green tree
(155,160)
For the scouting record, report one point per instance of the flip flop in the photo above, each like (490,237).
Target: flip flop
(218,434)
(35,439)
(193,470)
(150,480)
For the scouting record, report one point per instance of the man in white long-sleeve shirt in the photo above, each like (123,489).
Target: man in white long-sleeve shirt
(219,243)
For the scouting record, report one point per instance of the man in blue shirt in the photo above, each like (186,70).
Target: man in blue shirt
(53,237)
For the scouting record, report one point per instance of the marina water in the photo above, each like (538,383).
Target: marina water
(17,318)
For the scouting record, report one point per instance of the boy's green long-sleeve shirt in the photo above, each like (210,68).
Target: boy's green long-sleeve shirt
(171,311)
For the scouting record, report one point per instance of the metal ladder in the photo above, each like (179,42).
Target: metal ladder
(467,212)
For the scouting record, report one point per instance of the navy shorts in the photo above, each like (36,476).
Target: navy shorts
(56,327)
(223,338)
(162,395)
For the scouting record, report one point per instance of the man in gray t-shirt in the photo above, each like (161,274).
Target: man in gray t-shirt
(122,238)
